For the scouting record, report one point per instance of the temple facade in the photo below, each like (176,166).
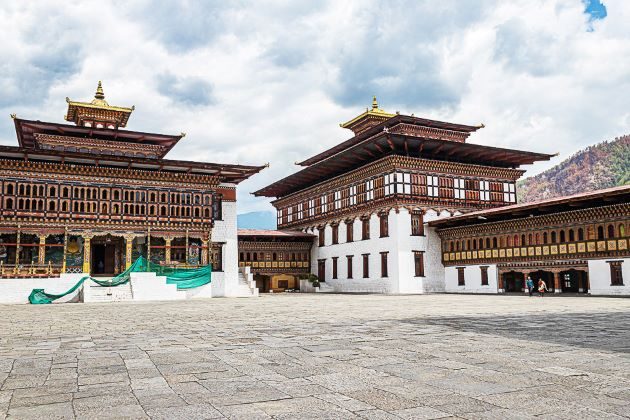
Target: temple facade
(380,204)
(276,259)
(90,197)
(575,244)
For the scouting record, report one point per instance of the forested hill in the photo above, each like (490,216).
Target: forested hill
(603,165)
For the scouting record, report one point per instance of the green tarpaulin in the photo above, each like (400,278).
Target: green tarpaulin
(184,278)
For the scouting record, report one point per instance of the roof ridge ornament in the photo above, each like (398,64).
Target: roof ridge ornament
(99,91)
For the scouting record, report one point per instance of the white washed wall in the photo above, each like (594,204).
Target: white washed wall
(599,277)
(400,244)
(472,277)
(17,290)
(224,283)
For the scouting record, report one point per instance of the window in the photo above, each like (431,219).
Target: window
(433,188)
(484,275)
(461,281)
(509,192)
(397,183)
(290,214)
(335,234)
(337,200)
(417,223)
(369,190)
(616,275)
(334,267)
(324,204)
(322,235)
(349,259)
(217,208)
(311,208)
(418,260)
(366,266)
(300,211)
(365,229)
(321,270)
(384,264)
(384,222)
(484,190)
(352,195)
(460,189)
(350,231)
(216,257)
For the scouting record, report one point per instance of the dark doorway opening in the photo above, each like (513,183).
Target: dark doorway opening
(513,282)
(103,259)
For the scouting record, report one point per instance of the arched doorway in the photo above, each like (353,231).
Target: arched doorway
(546,276)
(513,282)
(107,255)
(574,281)
(263,283)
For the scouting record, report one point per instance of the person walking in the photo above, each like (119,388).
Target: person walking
(542,287)
(530,285)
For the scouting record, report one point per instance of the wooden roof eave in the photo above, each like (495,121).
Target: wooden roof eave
(222,170)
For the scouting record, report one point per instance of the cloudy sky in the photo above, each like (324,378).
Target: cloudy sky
(253,82)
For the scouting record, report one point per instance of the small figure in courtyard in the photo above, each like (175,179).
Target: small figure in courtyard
(542,287)
(530,286)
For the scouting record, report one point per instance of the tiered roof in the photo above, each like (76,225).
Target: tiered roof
(96,140)
(398,135)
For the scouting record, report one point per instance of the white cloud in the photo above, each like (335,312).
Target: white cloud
(256,82)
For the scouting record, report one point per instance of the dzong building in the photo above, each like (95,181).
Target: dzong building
(408,205)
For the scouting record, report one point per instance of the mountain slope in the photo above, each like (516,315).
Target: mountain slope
(257,220)
(603,165)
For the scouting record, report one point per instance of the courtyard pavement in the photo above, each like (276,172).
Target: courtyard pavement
(319,356)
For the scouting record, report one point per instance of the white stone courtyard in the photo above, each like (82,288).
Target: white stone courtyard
(319,356)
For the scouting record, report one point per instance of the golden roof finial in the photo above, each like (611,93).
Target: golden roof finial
(374,102)
(99,91)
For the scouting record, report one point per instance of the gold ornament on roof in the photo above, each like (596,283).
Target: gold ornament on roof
(97,111)
(374,113)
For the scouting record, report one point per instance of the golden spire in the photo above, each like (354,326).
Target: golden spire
(99,91)
(374,102)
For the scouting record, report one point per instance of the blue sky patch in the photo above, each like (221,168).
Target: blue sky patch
(595,9)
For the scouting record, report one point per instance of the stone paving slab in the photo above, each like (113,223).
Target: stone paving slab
(320,357)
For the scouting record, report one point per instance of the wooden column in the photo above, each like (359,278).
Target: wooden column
(17,248)
(148,247)
(186,257)
(41,257)
(128,249)
(65,250)
(87,252)
(204,252)
(167,250)
(557,282)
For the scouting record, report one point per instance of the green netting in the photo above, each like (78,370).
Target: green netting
(183,278)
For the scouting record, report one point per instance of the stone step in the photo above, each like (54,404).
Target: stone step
(110,294)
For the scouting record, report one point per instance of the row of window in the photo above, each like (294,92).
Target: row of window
(103,193)
(400,183)
(92,207)
(616,274)
(418,257)
(417,229)
(102,150)
(461,279)
(273,256)
(611,231)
